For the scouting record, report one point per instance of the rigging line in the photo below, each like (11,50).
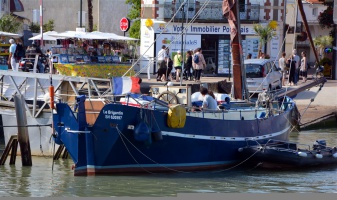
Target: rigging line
(121,136)
(177,35)
(168,23)
(146,155)
(192,21)
(37,125)
(283,42)
(153,41)
(311,100)
(237,165)
(279,53)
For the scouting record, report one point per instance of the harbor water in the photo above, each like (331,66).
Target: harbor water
(41,181)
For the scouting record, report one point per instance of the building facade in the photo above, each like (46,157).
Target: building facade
(208,30)
(312,10)
(66,13)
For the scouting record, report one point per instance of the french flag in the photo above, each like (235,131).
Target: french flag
(125,85)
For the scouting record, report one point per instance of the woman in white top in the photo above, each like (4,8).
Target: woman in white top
(303,67)
(282,65)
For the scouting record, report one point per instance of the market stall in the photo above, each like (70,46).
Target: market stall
(4,48)
(93,54)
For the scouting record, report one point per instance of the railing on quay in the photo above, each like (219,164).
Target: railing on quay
(212,12)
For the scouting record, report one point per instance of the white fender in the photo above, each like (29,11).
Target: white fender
(319,156)
(334,155)
(302,154)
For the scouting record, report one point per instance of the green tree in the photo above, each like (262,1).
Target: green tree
(9,23)
(325,18)
(323,41)
(134,14)
(266,33)
(49,26)
(34,27)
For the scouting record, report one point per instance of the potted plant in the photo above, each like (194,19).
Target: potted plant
(321,42)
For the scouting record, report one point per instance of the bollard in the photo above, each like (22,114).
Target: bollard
(23,137)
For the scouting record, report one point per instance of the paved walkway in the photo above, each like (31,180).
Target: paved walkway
(326,97)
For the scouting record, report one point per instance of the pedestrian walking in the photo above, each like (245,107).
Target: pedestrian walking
(161,59)
(188,66)
(296,58)
(177,62)
(198,63)
(11,59)
(304,67)
(291,64)
(282,65)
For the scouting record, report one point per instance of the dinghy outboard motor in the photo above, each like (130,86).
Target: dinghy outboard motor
(319,144)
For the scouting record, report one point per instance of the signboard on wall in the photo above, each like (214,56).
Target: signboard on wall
(201,28)
(173,41)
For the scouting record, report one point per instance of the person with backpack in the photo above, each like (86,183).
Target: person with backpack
(198,63)
(19,51)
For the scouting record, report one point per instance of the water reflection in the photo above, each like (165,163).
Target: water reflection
(41,181)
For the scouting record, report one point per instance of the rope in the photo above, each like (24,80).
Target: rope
(121,134)
(311,100)
(237,165)
(37,125)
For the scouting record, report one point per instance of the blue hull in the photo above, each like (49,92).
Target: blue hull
(111,147)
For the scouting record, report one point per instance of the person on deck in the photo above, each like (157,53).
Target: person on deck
(209,102)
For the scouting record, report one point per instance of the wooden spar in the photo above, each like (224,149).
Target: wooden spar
(23,136)
(304,18)
(230,10)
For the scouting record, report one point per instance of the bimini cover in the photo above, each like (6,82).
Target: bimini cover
(176,116)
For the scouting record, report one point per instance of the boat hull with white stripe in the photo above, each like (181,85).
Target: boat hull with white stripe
(110,146)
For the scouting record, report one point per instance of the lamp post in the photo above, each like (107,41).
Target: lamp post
(182,40)
(41,22)
(80,13)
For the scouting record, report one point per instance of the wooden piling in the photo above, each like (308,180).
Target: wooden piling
(12,147)
(23,136)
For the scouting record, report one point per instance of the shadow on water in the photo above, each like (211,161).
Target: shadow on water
(40,181)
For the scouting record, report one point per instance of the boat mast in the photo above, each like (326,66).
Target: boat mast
(304,18)
(230,10)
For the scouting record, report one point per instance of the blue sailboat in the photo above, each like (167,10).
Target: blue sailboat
(152,136)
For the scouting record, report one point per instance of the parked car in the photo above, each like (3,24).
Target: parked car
(262,75)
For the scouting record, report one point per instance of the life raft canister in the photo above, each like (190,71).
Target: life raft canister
(176,116)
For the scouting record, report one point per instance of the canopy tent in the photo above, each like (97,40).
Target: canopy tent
(46,36)
(77,34)
(111,36)
(95,35)
(9,34)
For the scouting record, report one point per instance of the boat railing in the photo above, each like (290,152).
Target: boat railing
(212,11)
(247,113)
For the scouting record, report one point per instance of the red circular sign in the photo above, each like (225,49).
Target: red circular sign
(124,24)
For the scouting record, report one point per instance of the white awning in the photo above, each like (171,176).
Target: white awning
(46,36)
